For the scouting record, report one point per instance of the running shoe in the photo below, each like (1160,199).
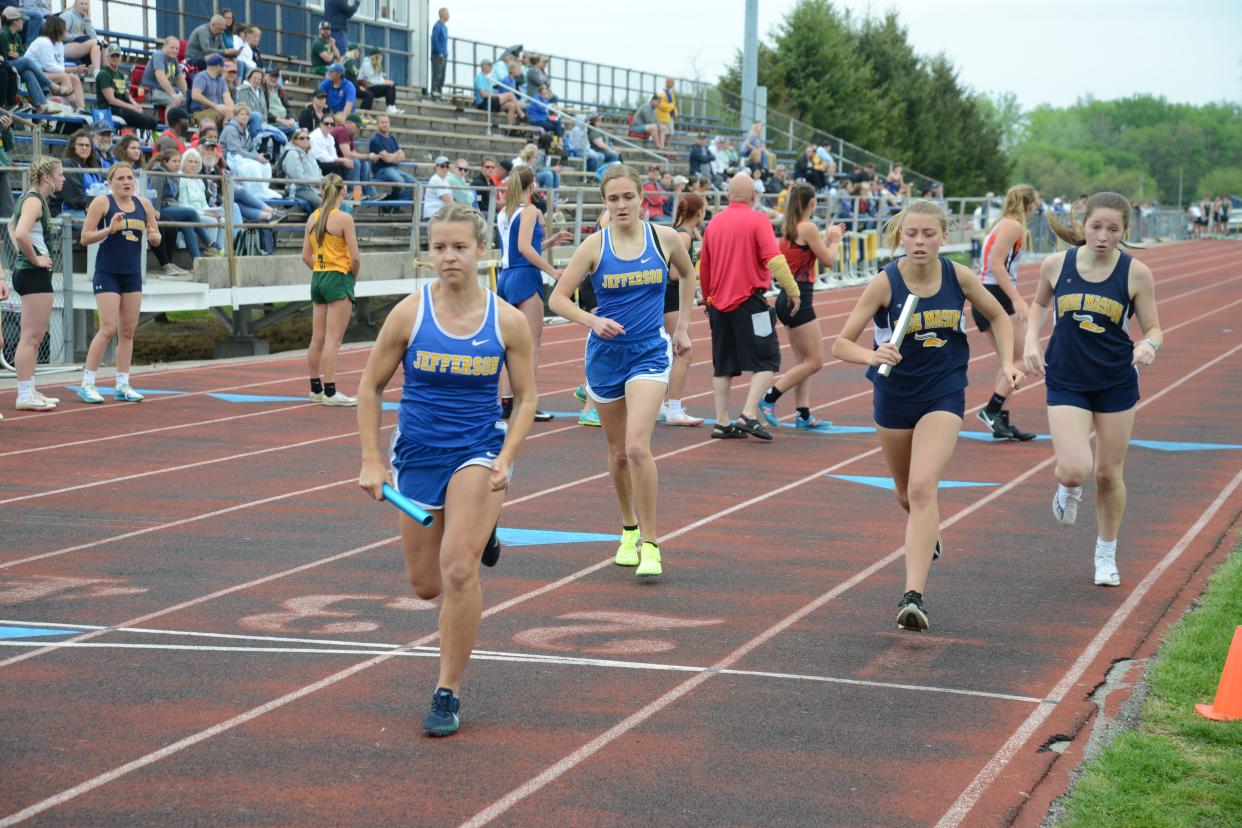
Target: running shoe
(126,393)
(315,396)
(491,552)
(911,615)
(996,424)
(340,400)
(939,548)
(627,551)
(580,394)
(589,418)
(1015,433)
(1065,511)
(649,561)
(767,410)
(35,404)
(681,417)
(88,394)
(445,715)
(811,423)
(40,396)
(752,427)
(663,415)
(1106,570)
(542,416)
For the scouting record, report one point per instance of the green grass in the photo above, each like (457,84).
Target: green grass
(960,258)
(1175,768)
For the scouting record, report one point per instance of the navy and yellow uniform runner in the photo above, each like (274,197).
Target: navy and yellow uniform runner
(118,263)
(521,279)
(1090,355)
(332,279)
(932,373)
(449,417)
(631,293)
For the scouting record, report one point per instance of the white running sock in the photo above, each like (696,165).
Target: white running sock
(122,379)
(25,390)
(88,377)
(1065,491)
(1106,549)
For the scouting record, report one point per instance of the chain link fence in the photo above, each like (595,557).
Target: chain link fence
(56,347)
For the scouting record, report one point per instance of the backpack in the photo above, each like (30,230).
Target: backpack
(278,166)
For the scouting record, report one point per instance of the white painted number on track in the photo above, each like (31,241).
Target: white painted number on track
(308,609)
(607,623)
(37,587)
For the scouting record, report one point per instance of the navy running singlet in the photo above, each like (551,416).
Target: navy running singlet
(1090,348)
(120,254)
(450,397)
(934,352)
(631,291)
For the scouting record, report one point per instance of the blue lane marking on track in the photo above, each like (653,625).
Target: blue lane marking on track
(546,537)
(105,390)
(986,436)
(31,632)
(263,398)
(710,421)
(887,482)
(1164,445)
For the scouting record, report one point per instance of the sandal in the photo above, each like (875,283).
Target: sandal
(752,427)
(728,432)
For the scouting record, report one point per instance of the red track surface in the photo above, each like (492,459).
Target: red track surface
(760,681)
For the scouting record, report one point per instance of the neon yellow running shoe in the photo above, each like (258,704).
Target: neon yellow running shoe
(627,552)
(650,564)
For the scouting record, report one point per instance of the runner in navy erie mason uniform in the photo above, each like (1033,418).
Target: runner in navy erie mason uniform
(451,452)
(628,353)
(1092,364)
(919,406)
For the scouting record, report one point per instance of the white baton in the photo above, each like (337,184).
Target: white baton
(903,322)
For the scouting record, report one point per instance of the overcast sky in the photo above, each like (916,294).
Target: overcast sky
(1045,52)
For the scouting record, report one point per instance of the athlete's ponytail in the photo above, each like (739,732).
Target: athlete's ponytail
(519,180)
(1017,201)
(1074,234)
(43,168)
(690,204)
(800,196)
(922,206)
(331,189)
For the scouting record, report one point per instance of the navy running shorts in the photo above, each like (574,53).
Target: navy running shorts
(1110,400)
(117,282)
(896,412)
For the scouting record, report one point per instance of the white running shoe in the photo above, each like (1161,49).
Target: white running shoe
(45,398)
(126,393)
(1106,570)
(88,394)
(1065,513)
(393,110)
(682,417)
(315,396)
(339,399)
(663,415)
(35,404)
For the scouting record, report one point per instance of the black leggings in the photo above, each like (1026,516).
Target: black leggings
(135,120)
(387,91)
(8,86)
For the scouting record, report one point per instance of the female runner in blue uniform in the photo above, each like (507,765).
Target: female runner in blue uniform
(451,453)
(118,276)
(918,408)
(628,353)
(1091,363)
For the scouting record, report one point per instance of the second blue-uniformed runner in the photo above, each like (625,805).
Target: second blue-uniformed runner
(628,353)
(451,453)
(1092,364)
(919,406)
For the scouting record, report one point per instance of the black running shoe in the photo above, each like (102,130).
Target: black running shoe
(1015,433)
(911,615)
(491,552)
(752,427)
(996,423)
(939,549)
(445,715)
(506,407)
(542,416)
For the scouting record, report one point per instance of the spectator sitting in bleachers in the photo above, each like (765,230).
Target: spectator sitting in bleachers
(700,157)
(208,131)
(387,155)
(298,164)
(598,141)
(323,50)
(323,147)
(644,122)
(576,145)
(36,12)
(537,114)
(252,94)
(825,164)
(80,39)
(80,187)
(666,113)
(357,164)
(536,74)
(178,131)
(490,176)
(163,77)
(342,94)
(489,96)
(102,135)
(204,196)
(13,48)
(164,172)
(754,148)
(210,99)
(529,157)
(804,168)
(654,195)
(313,112)
(237,141)
(252,207)
(128,150)
(112,85)
(371,74)
(48,54)
(207,41)
(438,192)
(459,180)
(278,111)
(248,55)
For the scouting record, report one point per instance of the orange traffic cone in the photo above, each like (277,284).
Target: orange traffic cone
(1228,704)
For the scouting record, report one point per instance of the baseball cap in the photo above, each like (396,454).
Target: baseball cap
(113,49)
(215,60)
(338,68)
(442,160)
(272,71)
(13,13)
(209,142)
(102,127)
(323,24)
(319,93)
(354,118)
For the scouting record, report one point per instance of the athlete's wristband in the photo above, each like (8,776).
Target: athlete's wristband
(1155,346)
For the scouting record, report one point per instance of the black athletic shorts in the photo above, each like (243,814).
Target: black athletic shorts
(806,306)
(586,295)
(491,102)
(981,321)
(30,280)
(672,297)
(744,339)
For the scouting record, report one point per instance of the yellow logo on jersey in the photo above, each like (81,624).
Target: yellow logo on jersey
(938,318)
(634,279)
(464,365)
(1087,322)
(930,340)
(1070,302)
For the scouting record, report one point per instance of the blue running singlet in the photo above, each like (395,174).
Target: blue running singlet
(631,291)
(450,396)
(1090,348)
(513,255)
(934,352)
